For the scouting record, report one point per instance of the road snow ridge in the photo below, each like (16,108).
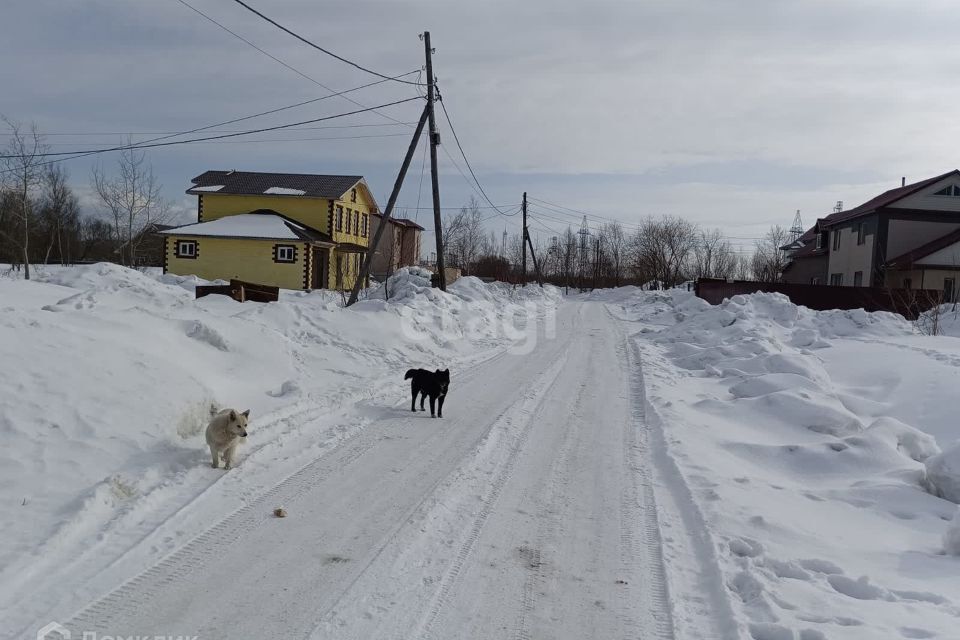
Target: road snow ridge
(688,536)
(529,408)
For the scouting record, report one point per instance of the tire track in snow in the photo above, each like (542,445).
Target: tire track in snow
(132,595)
(700,600)
(529,408)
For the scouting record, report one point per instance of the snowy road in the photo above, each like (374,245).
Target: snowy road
(526,512)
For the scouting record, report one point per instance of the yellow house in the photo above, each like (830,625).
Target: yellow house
(294,231)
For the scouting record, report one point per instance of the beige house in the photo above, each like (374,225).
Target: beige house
(903,238)
(399,246)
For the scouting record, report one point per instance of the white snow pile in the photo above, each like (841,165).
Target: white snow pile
(112,374)
(285,191)
(788,427)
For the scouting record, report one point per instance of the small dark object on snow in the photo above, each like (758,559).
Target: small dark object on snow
(280,512)
(621,582)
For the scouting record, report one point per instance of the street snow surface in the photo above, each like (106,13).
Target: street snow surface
(615,464)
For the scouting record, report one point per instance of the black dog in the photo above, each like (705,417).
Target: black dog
(429,383)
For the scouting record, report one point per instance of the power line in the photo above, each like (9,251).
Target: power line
(318,47)
(288,66)
(74,155)
(459,146)
(312,139)
(47,134)
(221,136)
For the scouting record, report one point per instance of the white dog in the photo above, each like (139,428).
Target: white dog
(224,433)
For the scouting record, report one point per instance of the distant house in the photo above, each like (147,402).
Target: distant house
(903,238)
(399,245)
(295,231)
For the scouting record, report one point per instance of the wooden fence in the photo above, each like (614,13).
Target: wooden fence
(241,291)
(909,303)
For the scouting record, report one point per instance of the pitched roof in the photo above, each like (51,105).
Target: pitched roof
(884,199)
(286,184)
(262,224)
(909,258)
(407,222)
(403,222)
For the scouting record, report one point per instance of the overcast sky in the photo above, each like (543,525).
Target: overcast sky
(731,113)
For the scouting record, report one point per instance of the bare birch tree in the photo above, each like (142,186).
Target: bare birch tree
(661,249)
(768,260)
(22,175)
(132,199)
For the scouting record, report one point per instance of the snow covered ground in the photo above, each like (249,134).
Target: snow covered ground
(802,437)
(618,464)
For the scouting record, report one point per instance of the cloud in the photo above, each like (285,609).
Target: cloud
(644,106)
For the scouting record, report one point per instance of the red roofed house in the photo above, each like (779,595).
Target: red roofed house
(908,237)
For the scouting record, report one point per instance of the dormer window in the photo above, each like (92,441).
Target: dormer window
(353,195)
(951,190)
(819,241)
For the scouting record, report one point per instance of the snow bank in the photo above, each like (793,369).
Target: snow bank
(116,371)
(814,492)
(943,474)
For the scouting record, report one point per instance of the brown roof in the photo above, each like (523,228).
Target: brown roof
(257,183)
(884,199)
(910,257)
(404,222)
(407,222)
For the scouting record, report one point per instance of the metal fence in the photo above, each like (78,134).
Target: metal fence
(909,303)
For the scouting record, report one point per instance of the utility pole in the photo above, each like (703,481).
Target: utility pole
(523,242)
(536,265)
(375,241)
(434,177)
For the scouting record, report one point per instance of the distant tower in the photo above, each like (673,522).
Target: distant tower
(503,248)
(584,234)
(838,207)
(796,230)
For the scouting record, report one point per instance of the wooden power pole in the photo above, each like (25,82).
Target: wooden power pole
(523,242)
(375,241)
(434,177)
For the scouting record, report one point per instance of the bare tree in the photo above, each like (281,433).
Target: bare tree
(742,267)
(713,256)
(661,249)
(133,201)
(59,213)
(23,175)
(768,259)
(568,256)
(465,237)
(615,248)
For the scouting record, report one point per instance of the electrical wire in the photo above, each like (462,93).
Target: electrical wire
(220,136)
(459,146)
(47,134)
(318,47)
(288,66)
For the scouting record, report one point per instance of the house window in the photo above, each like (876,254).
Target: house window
(952,190)
(858,279)
(819,241)
(187,249)
(836,279)
(836,240)
(356,224)
(907,283)
(861,236)
(948,289)
(284,253)
(815,280)
(339,218)
(366,224)
(353,195)
(349,215)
